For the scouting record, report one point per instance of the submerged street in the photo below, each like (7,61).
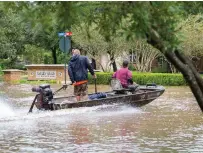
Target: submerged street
(172,123)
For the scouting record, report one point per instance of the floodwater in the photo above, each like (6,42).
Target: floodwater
(171,123)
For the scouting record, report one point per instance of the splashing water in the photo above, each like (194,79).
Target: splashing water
(5,110)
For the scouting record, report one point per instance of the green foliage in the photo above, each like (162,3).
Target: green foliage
(191,34)
(37,55)
(61,57)
(19,66)
(48,58)
(165,17)
(102,78)
(37,24)
(14,35)
(160,69)
(1,70)
(192,7)
(159,78)
(5,63)
(84,37)
(164,79)
(131,67)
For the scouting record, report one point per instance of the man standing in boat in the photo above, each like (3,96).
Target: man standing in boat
(124,75)
(78,72)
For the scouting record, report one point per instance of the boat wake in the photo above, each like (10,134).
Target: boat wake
(102,110)
(5,110)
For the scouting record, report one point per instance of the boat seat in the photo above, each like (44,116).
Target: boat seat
(116,84)
(117,87)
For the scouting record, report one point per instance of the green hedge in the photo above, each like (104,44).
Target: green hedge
(166,79)
(102,78)
(1,73)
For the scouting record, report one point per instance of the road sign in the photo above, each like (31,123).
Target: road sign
(68,33)
(65,44)
(60,34)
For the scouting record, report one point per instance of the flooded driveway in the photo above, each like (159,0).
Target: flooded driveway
(171,123)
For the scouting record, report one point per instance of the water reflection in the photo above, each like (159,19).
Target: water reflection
(172,123)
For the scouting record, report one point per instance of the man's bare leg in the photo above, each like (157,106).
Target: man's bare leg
(83,98)
(78,98)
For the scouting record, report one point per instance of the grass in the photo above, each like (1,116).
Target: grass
(35,82)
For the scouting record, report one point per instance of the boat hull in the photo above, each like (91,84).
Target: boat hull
(142,97)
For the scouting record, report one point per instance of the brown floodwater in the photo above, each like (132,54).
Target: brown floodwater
(171,123)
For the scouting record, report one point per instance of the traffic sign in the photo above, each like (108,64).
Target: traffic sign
(68,33)
(65,44)
(60,34)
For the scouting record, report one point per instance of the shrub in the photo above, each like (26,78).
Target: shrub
(1,70)
(160,69)
(102,78)
(131,67)
(166,79)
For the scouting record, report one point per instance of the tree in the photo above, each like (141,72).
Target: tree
(156,22)
(169,47)
(36,55)
(145,54)
(46,19)
(192,36)
(14,35)
(84,36)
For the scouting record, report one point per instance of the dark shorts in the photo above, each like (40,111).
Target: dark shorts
(81,90)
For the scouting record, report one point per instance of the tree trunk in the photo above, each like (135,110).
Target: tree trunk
(191,77)
(54,55)
(187,61)
(181,63)
(102,67)
(114,66)
(12,62)
(93,63)
(169,68)
(113,63)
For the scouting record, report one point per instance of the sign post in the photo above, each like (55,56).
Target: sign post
(65,45)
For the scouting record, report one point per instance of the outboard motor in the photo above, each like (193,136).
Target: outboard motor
(44,99)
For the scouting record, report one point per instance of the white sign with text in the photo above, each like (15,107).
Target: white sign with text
(46,74)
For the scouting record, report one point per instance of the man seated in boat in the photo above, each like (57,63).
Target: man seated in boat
(78,72)
(124,75)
